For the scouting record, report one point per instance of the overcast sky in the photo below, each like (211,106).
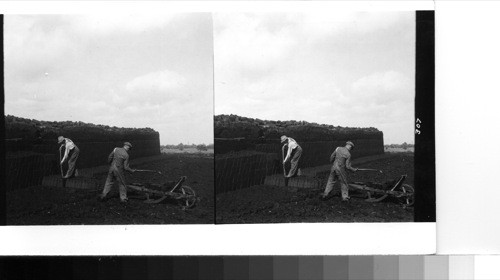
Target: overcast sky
(128,71)
(347,69)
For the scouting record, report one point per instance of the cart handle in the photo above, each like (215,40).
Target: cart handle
(179,183)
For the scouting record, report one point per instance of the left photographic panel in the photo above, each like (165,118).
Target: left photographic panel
(109,119)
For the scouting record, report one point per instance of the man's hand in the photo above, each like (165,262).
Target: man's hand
(356,169)
(62,161)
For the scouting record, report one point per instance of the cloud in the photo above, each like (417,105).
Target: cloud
(33,46)
(281,95)
(251,46)
(156,87)
(260,42)
(246,42)
(100,24)
(341,22)
(165,80)
(383,88)
(39,44)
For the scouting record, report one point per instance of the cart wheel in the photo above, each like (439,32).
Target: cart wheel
(190,197)
(409,199)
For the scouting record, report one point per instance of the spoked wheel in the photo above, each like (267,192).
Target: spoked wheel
(409,198)
(189,197)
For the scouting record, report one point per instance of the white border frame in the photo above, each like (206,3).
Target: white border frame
(253,239)
(250,239)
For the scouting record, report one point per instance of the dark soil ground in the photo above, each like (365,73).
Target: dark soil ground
(66,206)
(272,204)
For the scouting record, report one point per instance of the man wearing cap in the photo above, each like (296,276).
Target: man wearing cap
(119,160)
(293,154)
(71,153)
(341,159)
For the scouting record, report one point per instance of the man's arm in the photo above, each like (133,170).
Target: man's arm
(288,153)
(348,164)
(126,166)
(66,152)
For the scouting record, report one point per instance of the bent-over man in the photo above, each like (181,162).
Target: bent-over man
(119,160)
(341,159)
(293,154)
(71,153)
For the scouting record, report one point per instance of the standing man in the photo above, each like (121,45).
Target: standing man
(341,159)
(293,154)
(119,160)
(71,153)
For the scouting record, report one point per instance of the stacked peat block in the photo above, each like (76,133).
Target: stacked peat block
(24,169)
(295,182)
(240,170)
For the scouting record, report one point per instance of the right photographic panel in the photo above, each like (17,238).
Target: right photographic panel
(324,117)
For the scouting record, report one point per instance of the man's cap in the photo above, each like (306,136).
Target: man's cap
(60,139)
(283,138)
(127,144)
(350,143)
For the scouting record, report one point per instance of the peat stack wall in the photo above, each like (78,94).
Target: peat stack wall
(33,151)
(255,149)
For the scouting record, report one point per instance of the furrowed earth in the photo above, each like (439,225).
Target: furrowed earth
(273,204)
(40,205)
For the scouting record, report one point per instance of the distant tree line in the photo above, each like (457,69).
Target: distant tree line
(181,146)
(401,146)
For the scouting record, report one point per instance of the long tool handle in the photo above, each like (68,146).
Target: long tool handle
(146,170)
(282,159)
(284,169)
(60,158)
(369,169)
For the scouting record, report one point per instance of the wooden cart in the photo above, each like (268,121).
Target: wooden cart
(373,192)
(152,193)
